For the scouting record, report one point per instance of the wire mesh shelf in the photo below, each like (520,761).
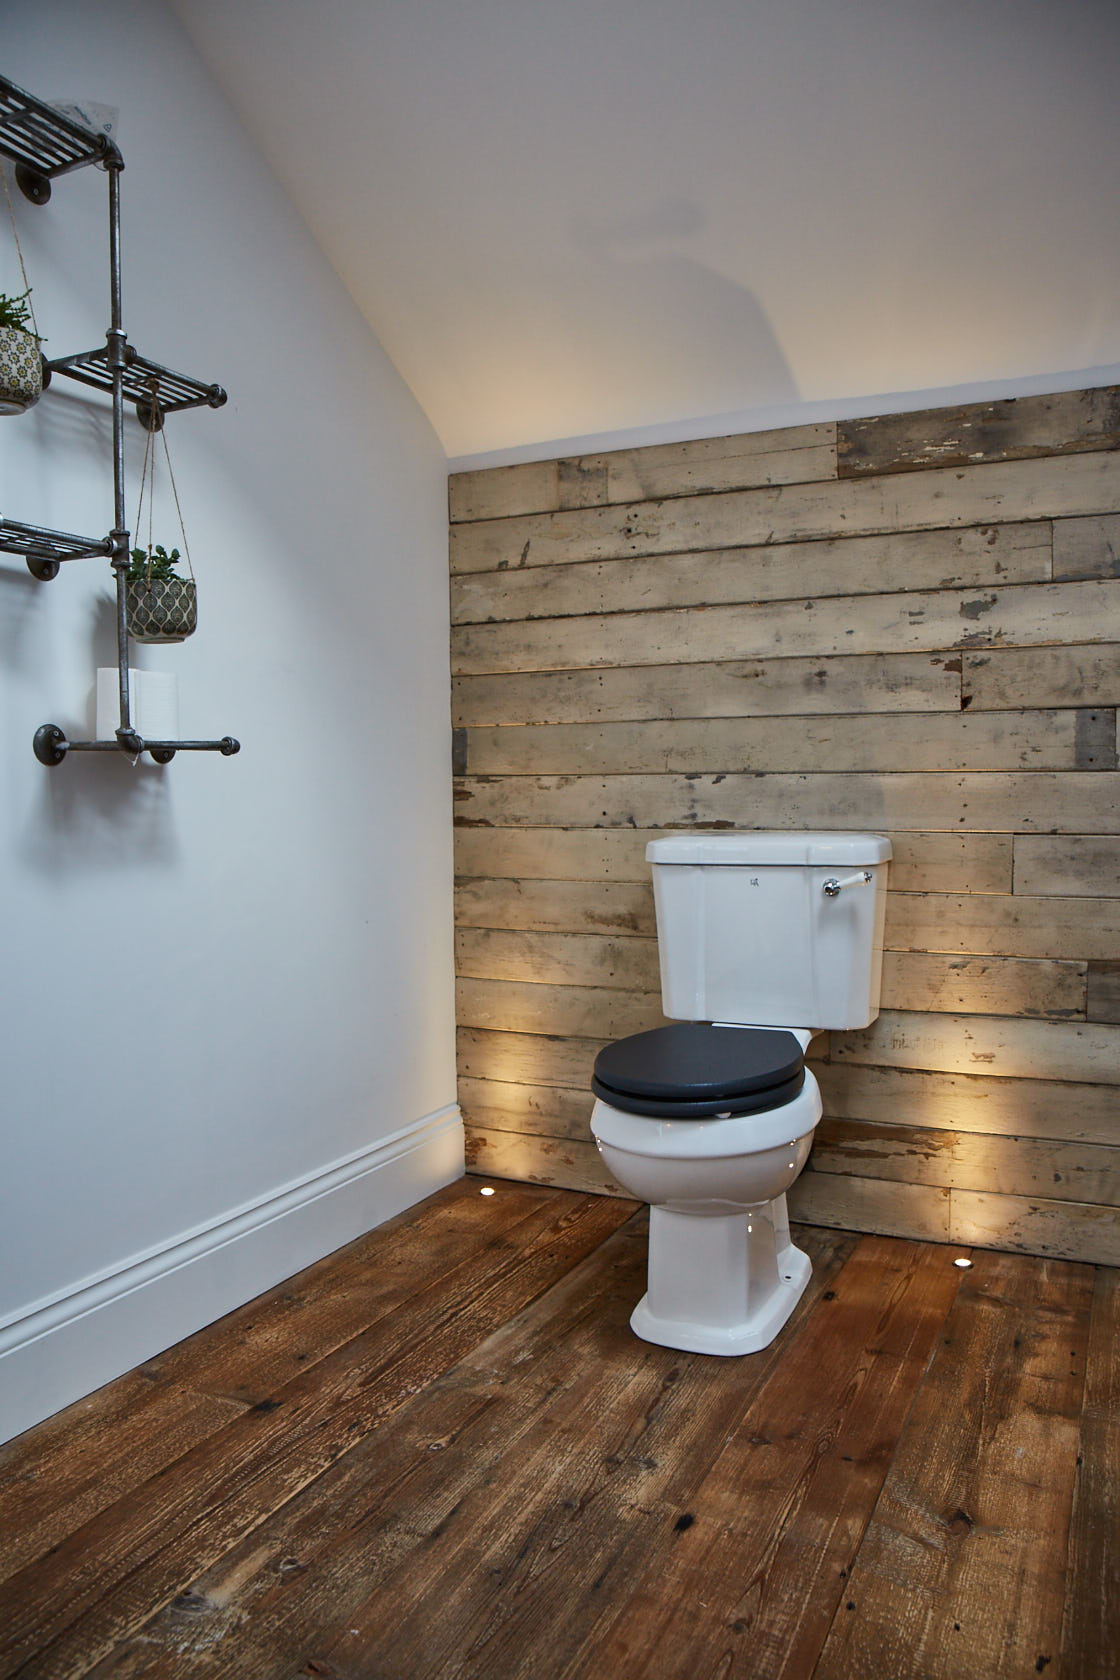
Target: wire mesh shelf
(44,550)
(42,143)
(142,381)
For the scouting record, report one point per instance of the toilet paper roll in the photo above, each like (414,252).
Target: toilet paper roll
(153,702)
(157,716)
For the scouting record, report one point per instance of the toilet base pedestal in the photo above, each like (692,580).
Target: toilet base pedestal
(720,1283)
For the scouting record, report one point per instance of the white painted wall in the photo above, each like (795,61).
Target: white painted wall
(227,981)
(571,221)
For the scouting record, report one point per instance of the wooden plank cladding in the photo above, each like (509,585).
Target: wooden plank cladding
(909,625)
(1068,423)
(841,566)
(1042,740)
(921,622)
(943,499)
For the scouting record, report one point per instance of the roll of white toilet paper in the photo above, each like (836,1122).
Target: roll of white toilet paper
(108,702)
(157,714)
(153,702)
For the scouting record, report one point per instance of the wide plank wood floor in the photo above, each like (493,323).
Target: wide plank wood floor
(441,1452)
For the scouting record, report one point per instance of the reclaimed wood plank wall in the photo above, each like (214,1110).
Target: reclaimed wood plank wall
(908,624)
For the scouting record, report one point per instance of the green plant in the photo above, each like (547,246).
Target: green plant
(159,566)
(16,312)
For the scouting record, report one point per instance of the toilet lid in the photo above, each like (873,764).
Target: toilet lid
(691,1071)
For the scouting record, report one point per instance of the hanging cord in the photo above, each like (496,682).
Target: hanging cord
(156,419)
(19,254)
(175,493)
(151,499)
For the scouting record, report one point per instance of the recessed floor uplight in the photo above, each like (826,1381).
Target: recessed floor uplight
(487,1190)
(959,1261)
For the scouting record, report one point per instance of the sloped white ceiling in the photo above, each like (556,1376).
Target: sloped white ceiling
(566,218)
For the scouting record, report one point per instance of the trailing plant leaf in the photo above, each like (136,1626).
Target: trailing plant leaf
(158,565)
(16,312)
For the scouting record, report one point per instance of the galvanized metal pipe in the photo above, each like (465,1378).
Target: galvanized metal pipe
(116,347)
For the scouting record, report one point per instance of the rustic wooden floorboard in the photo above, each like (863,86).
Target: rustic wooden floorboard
(1091,1634)
(107,1577)
(55,1478)
(442,1455)
(751,1585)
(961,1570)
(596,1482)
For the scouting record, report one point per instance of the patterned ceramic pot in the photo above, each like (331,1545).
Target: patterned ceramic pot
(162,609)
(21,370)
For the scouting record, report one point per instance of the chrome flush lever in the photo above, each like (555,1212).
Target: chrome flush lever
(832,888)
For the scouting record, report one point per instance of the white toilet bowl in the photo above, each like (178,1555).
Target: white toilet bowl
(723,1274)
(711,1119)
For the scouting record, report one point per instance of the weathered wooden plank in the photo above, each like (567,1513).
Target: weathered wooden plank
(496,492)
(1032,1108)
(792,455)
(110,1575)
(564,1163)
(542,1110)
(1086,548)
(1052,1050)
(1103,995)
(907,560)
(951,863)
(1008,678)
(582,481)
(1091,1625)
(558,959)
(983,985)
(961,1568)
(1039,802)
(1013,430)
(1001,925)
(1085,866)
(531,1058)
(568,1011)
(54,1478)
(889,682)
(999,1166)
(554,854)
(1035,1225)
(745,1591)
(556,906)
(1026,615)
(949,498)
(1028,740)
(887,1208)
(921,862)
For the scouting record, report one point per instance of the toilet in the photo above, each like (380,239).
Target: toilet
(764,939)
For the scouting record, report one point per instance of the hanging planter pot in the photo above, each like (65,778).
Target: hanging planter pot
(21,364)
(160,606)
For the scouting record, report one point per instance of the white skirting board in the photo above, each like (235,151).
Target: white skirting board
(56,1351)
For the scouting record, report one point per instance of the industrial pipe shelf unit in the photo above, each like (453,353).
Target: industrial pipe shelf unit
(44,144)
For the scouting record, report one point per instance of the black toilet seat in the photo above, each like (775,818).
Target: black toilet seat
(692,1071)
